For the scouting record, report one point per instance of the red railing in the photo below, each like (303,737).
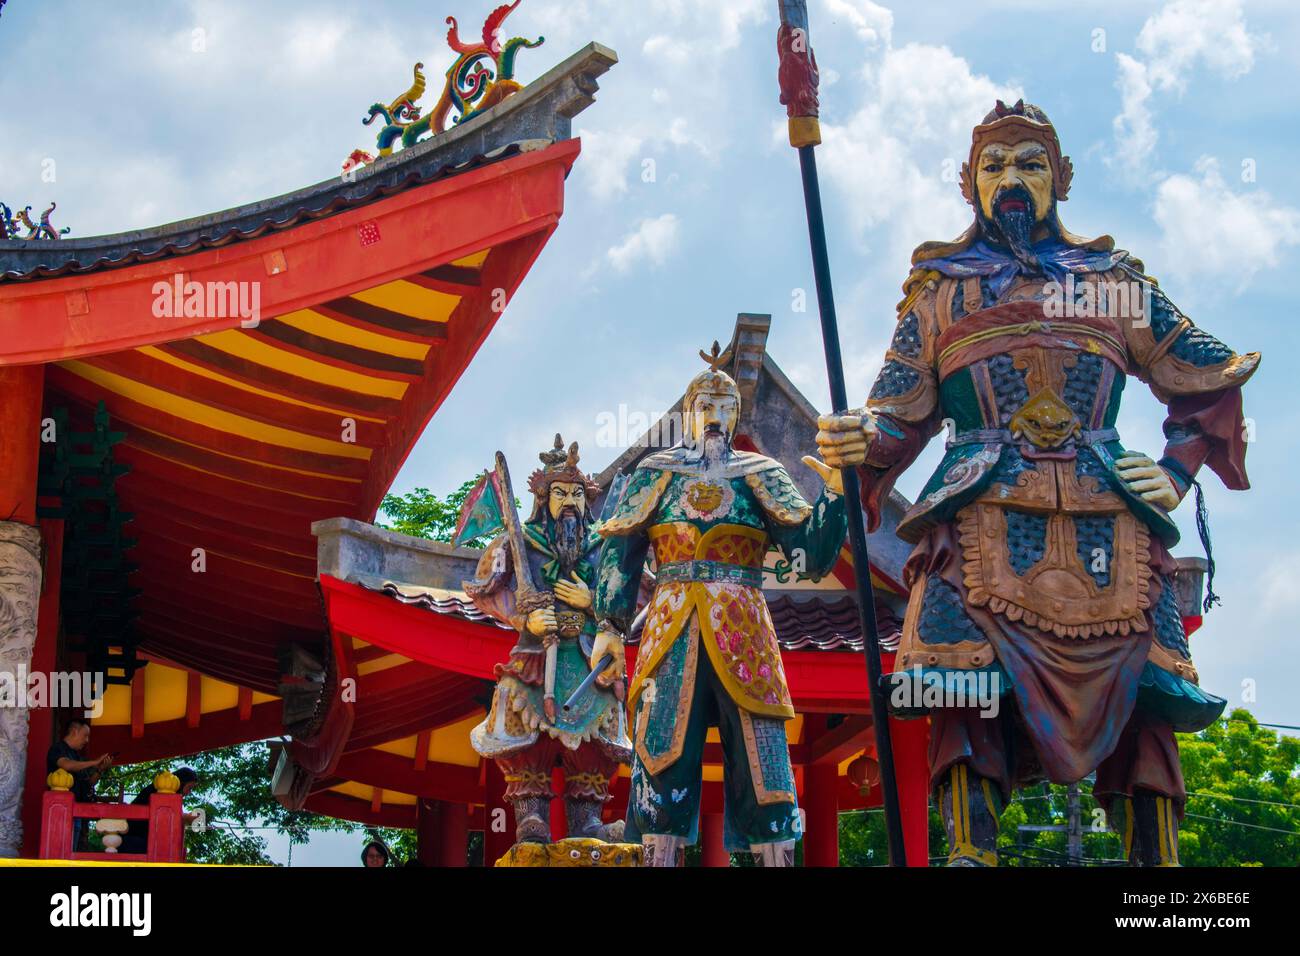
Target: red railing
(59,808)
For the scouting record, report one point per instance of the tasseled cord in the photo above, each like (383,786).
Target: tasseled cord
(1203,529)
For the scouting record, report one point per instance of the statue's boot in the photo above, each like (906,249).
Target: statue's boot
(969,806)
(662,850)
(773,854)
(583,818)
(1149,824)
(532,820)
(527,774)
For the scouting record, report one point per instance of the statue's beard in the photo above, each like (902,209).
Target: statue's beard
(1014,228)
(715,446)
(567,539)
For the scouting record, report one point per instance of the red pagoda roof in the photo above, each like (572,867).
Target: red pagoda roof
(374,296)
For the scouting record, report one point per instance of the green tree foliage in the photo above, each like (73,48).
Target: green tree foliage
(1243,809)
(422,514)
(863,842)
(1242,795)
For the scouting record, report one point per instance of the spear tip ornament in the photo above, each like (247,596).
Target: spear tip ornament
(797,74)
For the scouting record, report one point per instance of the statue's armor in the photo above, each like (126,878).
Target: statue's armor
(1041,580)
(516,718)
(1025,527)
(708,532)
(587,741)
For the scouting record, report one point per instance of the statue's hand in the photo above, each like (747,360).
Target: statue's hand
(574,593)
(1149,481)
(542,621)
(833,477)
(843,439)
(607,642)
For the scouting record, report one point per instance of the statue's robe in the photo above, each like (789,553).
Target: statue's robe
(1037,564)
(708,531)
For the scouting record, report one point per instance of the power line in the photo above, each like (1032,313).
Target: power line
(1268,803)
(1260,723)
(1238,823)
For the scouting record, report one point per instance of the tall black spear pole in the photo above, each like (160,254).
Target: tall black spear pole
(798,78)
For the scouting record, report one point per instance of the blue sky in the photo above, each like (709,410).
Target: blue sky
(1159,111)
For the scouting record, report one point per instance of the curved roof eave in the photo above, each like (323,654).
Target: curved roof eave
(541,113)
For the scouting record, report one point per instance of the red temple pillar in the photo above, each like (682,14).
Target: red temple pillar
(453,834)
(22,388)
(911,740)
(21,394)
(427,832)
(821,839)
(498,816)
(714,850)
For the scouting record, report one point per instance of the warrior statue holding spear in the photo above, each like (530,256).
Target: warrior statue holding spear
(1042,543)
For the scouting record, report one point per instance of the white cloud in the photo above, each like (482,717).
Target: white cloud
(308,49)
(890,158)
(605,158)
(1173,42)
(608,155)
(733,17)
(672,48)
(1210,230)
(1134,127)
(872,23)
(653,240)
(223,43)
(680,134)
(1186,31)
(890,174)
(680,61)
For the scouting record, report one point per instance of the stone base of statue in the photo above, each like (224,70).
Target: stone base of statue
(575,851)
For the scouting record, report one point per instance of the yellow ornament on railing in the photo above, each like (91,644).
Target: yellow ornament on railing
(59,780)
(167,782)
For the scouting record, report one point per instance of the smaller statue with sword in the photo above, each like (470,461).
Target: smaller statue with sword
(537,576)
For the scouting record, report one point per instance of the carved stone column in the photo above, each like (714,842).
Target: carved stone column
(20,591)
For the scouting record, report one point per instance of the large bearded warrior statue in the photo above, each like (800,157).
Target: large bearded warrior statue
(526,731)
(1042,544)
(708,654)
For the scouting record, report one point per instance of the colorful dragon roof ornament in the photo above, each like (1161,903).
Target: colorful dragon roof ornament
(12,223)
(481,76)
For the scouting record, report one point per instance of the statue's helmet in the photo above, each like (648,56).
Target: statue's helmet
(714,383)
(1013,124)
(560,466)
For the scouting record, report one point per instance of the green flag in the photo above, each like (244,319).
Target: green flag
(480,515)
